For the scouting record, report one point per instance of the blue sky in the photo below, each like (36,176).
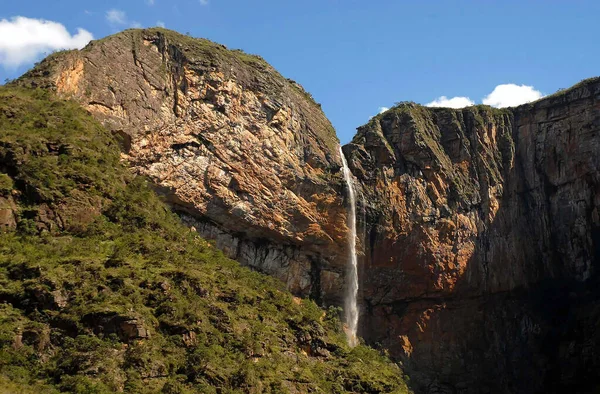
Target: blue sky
(358,56)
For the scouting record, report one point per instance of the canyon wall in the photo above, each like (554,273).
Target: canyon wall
(482,233)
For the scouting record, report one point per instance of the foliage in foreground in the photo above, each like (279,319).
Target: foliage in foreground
(103,290)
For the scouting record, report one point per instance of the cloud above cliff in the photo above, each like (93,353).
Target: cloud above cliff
(117,18)
(380,110)
(511,95)
(505,95)
(24,40)
(454,102)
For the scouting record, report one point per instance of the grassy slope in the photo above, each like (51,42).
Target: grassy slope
(95,247)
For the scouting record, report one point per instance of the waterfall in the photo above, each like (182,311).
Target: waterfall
(351,303)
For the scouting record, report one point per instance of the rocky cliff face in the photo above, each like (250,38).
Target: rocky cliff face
(243,154)
(482,234)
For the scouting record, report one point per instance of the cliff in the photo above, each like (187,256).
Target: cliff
(482,233)
(245,155)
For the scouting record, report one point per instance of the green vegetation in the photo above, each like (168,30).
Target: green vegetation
(103,290)
(562,93)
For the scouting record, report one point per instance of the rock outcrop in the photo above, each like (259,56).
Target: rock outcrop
(482,234)
(244,155)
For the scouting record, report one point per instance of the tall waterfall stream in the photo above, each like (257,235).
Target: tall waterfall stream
(351,299)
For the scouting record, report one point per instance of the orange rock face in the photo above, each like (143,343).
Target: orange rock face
(243,154)
(482,241)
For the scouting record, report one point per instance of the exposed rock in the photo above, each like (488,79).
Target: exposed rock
(51,299)
(60,298)
(133,329)
(7,214)
(39,337)
(481,226)
(246,154)
(18,340)
(127,328)
(189,338)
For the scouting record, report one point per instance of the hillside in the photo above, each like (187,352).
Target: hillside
(103,289)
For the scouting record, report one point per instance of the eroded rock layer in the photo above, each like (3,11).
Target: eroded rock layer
(482,241)
(244,154)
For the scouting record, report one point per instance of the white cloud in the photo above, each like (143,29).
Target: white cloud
(380,110)
(150,2)
(511,95)
(115,16)
(454,102)
(23,40)
(204,2)
(160,23)
(505,95)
